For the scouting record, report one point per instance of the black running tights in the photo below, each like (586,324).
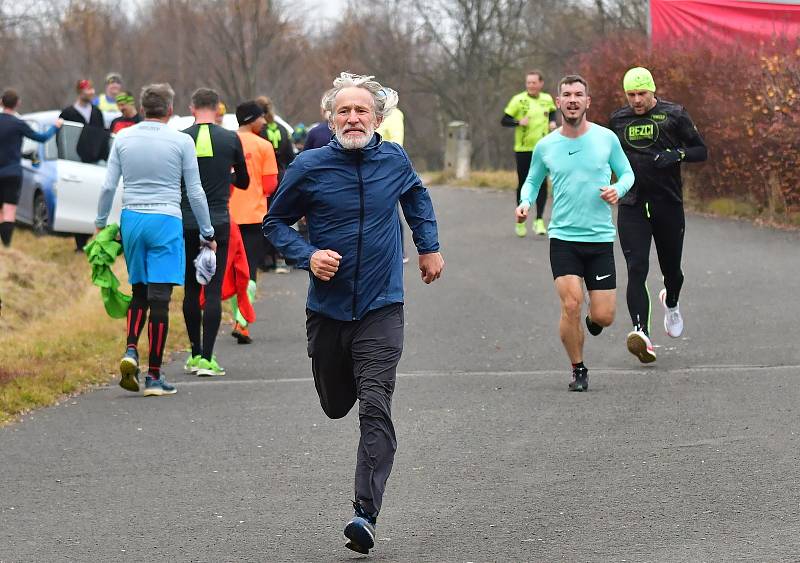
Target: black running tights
(664,223)
(210,316)
(523,166)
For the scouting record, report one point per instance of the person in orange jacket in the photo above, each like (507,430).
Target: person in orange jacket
(248,207)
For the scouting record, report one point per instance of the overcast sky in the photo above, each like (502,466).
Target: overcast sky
(322,9)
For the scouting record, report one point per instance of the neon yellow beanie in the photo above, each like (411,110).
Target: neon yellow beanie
(638,78)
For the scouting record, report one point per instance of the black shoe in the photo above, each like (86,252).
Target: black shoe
(580,380)
(593,327)
(360,531)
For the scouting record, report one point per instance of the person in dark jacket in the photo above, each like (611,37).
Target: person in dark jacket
(349,191)
(93,142)
(218,151)
(281,141)
(320,134)
(657,136)
(12,130)
(83,111)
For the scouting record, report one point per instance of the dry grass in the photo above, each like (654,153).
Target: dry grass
(55,337)
(497,179)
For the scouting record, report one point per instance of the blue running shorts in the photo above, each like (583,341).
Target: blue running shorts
(153,246)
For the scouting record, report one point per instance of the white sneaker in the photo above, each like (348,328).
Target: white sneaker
(673,321)
(640,346)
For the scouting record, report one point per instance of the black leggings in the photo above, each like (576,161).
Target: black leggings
(252,238)
(211,315)
(664,223)
(523,166)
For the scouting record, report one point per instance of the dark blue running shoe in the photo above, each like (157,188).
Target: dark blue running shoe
(157,387)
(360,530)
(129,370)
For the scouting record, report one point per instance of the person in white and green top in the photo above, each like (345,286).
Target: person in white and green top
(532,113)
(579,158)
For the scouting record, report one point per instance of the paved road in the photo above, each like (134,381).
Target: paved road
(694,458)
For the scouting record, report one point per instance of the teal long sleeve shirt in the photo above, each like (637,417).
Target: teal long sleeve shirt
(578,168)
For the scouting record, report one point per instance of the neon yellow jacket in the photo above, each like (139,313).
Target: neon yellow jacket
(393,127)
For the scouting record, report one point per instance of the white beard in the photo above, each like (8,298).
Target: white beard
(354,143)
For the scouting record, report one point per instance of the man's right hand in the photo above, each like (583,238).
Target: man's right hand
(524,121)
(325,264)
(522,213)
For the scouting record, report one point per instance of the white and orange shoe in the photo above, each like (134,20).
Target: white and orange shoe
(640,346)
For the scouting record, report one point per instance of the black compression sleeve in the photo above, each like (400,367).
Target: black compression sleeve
(693,145)
(695,154)
(508,121)
(551,116)
(240,178)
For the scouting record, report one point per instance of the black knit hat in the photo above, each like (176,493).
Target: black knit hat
(248,112)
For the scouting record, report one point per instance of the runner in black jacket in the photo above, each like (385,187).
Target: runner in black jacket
(657,136)
(218,150)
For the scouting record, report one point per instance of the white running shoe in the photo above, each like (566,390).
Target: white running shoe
(673,321)
(640,346)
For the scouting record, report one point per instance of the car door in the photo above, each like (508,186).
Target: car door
(31,158)
(78,186)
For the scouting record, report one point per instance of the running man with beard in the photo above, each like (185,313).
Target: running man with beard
(657,136)
(579,158)
(349,190)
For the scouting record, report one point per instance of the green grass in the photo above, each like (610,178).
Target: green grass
(728,207)
(55,337)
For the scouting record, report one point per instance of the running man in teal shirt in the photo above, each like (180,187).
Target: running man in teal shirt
(579,158)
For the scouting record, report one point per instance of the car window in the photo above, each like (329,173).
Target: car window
(51,149)
(68,137)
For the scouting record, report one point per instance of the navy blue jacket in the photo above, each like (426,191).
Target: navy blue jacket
(319,136)
(349,198)
(12,130)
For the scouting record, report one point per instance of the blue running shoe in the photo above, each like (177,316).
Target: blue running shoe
(129,370)
(157,387)
(360,530)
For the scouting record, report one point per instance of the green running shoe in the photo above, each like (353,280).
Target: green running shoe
(209,368)
(191,363)
(539,228)
(521,229)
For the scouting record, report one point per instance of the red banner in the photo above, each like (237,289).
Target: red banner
(723,22)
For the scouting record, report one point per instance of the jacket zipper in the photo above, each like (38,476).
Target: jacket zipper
(360,232)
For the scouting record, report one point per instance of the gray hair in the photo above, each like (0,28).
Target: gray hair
(156,100)
(385,99)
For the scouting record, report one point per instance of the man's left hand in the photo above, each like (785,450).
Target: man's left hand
(609,194)
(667,158)
(431,266)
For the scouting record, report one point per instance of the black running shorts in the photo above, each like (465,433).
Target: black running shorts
(10,187)
(592,261)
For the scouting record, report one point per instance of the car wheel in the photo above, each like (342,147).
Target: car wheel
(41,216)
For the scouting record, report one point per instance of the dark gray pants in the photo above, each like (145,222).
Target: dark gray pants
(358,360)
